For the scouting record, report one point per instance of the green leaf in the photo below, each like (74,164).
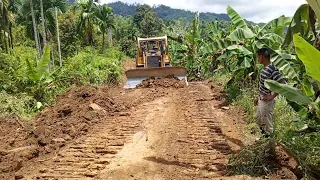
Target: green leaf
(309,55)
(307,87)
(217,45)
(240,50)
(43,63)
(303,113)
(237,20)
(241,34)
(247,62)
(32,73)
(315,4)
(300,125)
(37,73)
(277,25)
(291,93)
(283,62)
(272,40)
(299,24)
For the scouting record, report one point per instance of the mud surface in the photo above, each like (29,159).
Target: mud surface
(151,132)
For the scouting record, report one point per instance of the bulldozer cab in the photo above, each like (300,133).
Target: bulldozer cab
(152,52)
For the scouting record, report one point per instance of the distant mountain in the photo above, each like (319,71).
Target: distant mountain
(166,12)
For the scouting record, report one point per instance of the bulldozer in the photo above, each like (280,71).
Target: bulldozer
(153,60)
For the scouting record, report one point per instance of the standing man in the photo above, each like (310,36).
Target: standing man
(266,99)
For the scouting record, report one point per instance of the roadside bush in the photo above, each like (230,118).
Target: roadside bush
(18,104)
(85,68)
(21,94)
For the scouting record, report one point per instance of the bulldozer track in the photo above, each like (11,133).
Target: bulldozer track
(84,158)
(199,142)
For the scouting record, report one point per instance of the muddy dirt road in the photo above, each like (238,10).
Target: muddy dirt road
(174,133)
(114,133)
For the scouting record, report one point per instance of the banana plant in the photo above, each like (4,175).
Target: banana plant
(270,35)
(37,73)
(191,43)
(302,22)
(39,76)
(310,57)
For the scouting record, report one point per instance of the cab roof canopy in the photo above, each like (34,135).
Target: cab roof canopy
(152,39)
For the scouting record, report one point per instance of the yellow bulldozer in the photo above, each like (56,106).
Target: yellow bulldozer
(153,60)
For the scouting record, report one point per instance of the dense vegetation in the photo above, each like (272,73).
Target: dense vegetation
(48,47)
(166,13)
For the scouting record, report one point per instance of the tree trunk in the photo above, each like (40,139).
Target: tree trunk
(1,40)
(52,55)
(39,42)
(110,36)
(103,42)
(35,29)
(58,37)
(44,36)
(11,36)
(5,41)
(90,33)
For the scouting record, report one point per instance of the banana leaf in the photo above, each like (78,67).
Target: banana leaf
(307,87)
(309,55)
(37,73)
(237,20)
(277,25)
(299,24)
(284,62)
(315,4)
(291,93)
(241,34)
(215,46)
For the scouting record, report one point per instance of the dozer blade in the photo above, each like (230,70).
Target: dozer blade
(136,76)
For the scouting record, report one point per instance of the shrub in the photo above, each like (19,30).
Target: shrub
(19,104)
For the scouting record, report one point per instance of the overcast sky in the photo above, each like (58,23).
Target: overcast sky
(253,10)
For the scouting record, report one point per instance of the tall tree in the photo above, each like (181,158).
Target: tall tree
(105,19)
(24,17)
(14,7)
(35,29)
(44,36)
(147,21)
(88,17)
(58,37)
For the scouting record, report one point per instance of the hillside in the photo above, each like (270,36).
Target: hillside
(166,13)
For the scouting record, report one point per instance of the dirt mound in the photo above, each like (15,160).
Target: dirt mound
(72,115)
(17,144)
(168,81)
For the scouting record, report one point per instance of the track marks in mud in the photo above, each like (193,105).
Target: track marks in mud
(171,135)
(199,145)
(85,157)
